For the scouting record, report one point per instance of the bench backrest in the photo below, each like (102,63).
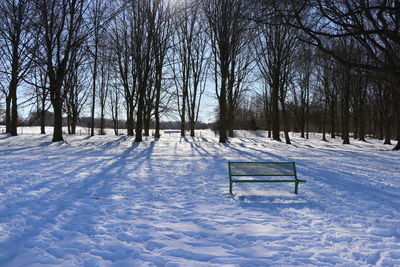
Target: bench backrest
(262,168)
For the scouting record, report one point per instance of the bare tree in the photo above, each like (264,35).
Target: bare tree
(344,80)
(265,64)
(149,102)
(114,106)
(331,92)
(99,18)
(185,23)
(326,90)
(161,44)
(143,19)
(301,92)
(359,95)
(225,19)
(240,69)
(385,108)
(75,94)
(190,62)
(122,47)
(373,25)
(16,44)
(60,31)
(276,51)
(104,89)
(200,64)
(267,108)
(39,81)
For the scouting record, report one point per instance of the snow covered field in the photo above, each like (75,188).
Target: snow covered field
(107,201)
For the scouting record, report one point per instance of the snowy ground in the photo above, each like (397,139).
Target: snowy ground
(107,201)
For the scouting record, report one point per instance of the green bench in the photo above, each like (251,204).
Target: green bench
(255,169)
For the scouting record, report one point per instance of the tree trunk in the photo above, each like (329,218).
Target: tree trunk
(74,121)
(301,122)
(129,119)
(388,134)
(397,147)
(157,109)
(8,114)
(146,125)
(231,107)
(94,78)
(139,114)
(345,128)
(275,109)
(13,95)
(157,124)
(346,113)
(267,114)
(115,123)
(333,121)
(183,115)
(231,119)
(324,123)
(222,111)
(397,111)
(93,99)
(301,117)
(389,95)
(114,109)
(356,117)
(192,126)
(302,130)
(57,106)
(102,120)
(42,120)
(269,128)
(14,112)
(361,133)
(69,119)
(285,123)
(308,110)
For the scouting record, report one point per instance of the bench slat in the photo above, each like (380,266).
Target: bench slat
(262,168)
(268,181)
(243,175)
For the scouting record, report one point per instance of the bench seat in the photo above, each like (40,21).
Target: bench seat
(262,169)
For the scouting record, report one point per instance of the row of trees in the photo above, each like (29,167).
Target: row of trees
(299,62)
(363,38)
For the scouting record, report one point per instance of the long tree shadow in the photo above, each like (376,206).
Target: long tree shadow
(64,192)
(203,152)
(5,136)
(118,163)
(345,181)
(260,155)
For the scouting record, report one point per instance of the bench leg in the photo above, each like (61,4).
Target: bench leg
(296,187)
(230,186)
